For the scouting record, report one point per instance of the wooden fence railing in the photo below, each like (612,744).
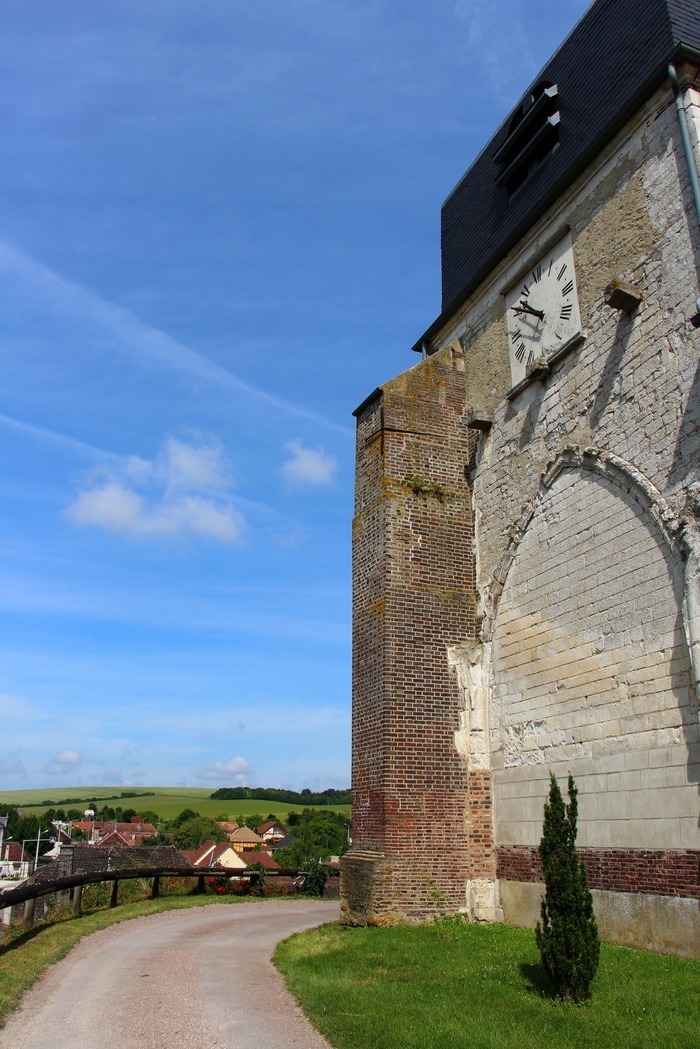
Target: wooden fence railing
(28,893)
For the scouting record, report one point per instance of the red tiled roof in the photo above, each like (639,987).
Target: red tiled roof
(114,838)
(139,828)
(261,857)
(12,850)
(201,852)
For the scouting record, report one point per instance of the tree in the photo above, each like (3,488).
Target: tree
(192,833)
(567,935)
(27,828)
(258,884)
(183,817)
(316,878)
(317,836)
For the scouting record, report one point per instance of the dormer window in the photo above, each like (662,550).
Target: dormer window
(532,135)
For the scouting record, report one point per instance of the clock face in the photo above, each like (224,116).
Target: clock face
(542,309)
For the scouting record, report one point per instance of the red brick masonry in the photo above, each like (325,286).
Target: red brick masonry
(672,872)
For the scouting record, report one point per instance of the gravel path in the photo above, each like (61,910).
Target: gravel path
(192,979)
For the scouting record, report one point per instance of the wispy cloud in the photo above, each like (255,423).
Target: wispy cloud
(236,772)
(133,336)
(14,710)
(59,439)
(483,25)
(11,765)
(308,466)
(180,492)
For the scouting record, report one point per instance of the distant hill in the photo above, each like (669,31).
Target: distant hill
(168,802)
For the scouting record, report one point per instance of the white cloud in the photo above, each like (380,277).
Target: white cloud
(63,762)
(68,758)
(235,771)
(308,466)
(175,496)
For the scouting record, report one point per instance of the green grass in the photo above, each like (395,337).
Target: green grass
(481,987)
(168,802)
(24,956)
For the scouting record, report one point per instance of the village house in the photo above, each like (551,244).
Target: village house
(272,832)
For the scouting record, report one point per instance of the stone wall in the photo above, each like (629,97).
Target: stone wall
(546,615)
(586,502)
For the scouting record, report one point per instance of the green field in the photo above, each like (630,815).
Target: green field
(168,802)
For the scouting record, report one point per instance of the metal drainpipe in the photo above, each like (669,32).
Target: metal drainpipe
(689,156)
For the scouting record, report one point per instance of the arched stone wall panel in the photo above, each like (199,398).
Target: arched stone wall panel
(591,672)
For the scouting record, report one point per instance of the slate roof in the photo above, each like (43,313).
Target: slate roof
(284,842)
(613,59)
(86,859)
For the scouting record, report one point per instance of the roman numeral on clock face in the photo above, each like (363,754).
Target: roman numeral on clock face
(561,272)
(537,274)
(568,288)
(520,352)
(517,335)
(566,312)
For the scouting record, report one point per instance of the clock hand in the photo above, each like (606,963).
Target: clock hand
(525,307)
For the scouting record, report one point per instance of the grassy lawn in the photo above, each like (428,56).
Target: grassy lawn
(481,987)
(25,956)
(168,802)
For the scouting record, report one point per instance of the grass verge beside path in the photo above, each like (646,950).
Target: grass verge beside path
(481,987)
(24,956)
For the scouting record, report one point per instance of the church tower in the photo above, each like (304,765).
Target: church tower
(526,585)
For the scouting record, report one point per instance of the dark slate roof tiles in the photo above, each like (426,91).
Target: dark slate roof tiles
(614,57)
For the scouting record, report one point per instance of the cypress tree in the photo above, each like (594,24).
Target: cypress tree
(567,935)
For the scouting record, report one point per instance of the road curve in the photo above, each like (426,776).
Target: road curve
(193,979)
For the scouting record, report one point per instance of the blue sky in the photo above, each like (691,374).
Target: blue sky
(219,231)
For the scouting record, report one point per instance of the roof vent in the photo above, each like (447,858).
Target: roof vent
(533,134)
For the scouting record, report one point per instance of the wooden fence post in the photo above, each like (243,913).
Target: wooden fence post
(29,906)
(78,900)
(115,890)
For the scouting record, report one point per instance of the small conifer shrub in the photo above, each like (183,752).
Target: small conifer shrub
(567,935)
